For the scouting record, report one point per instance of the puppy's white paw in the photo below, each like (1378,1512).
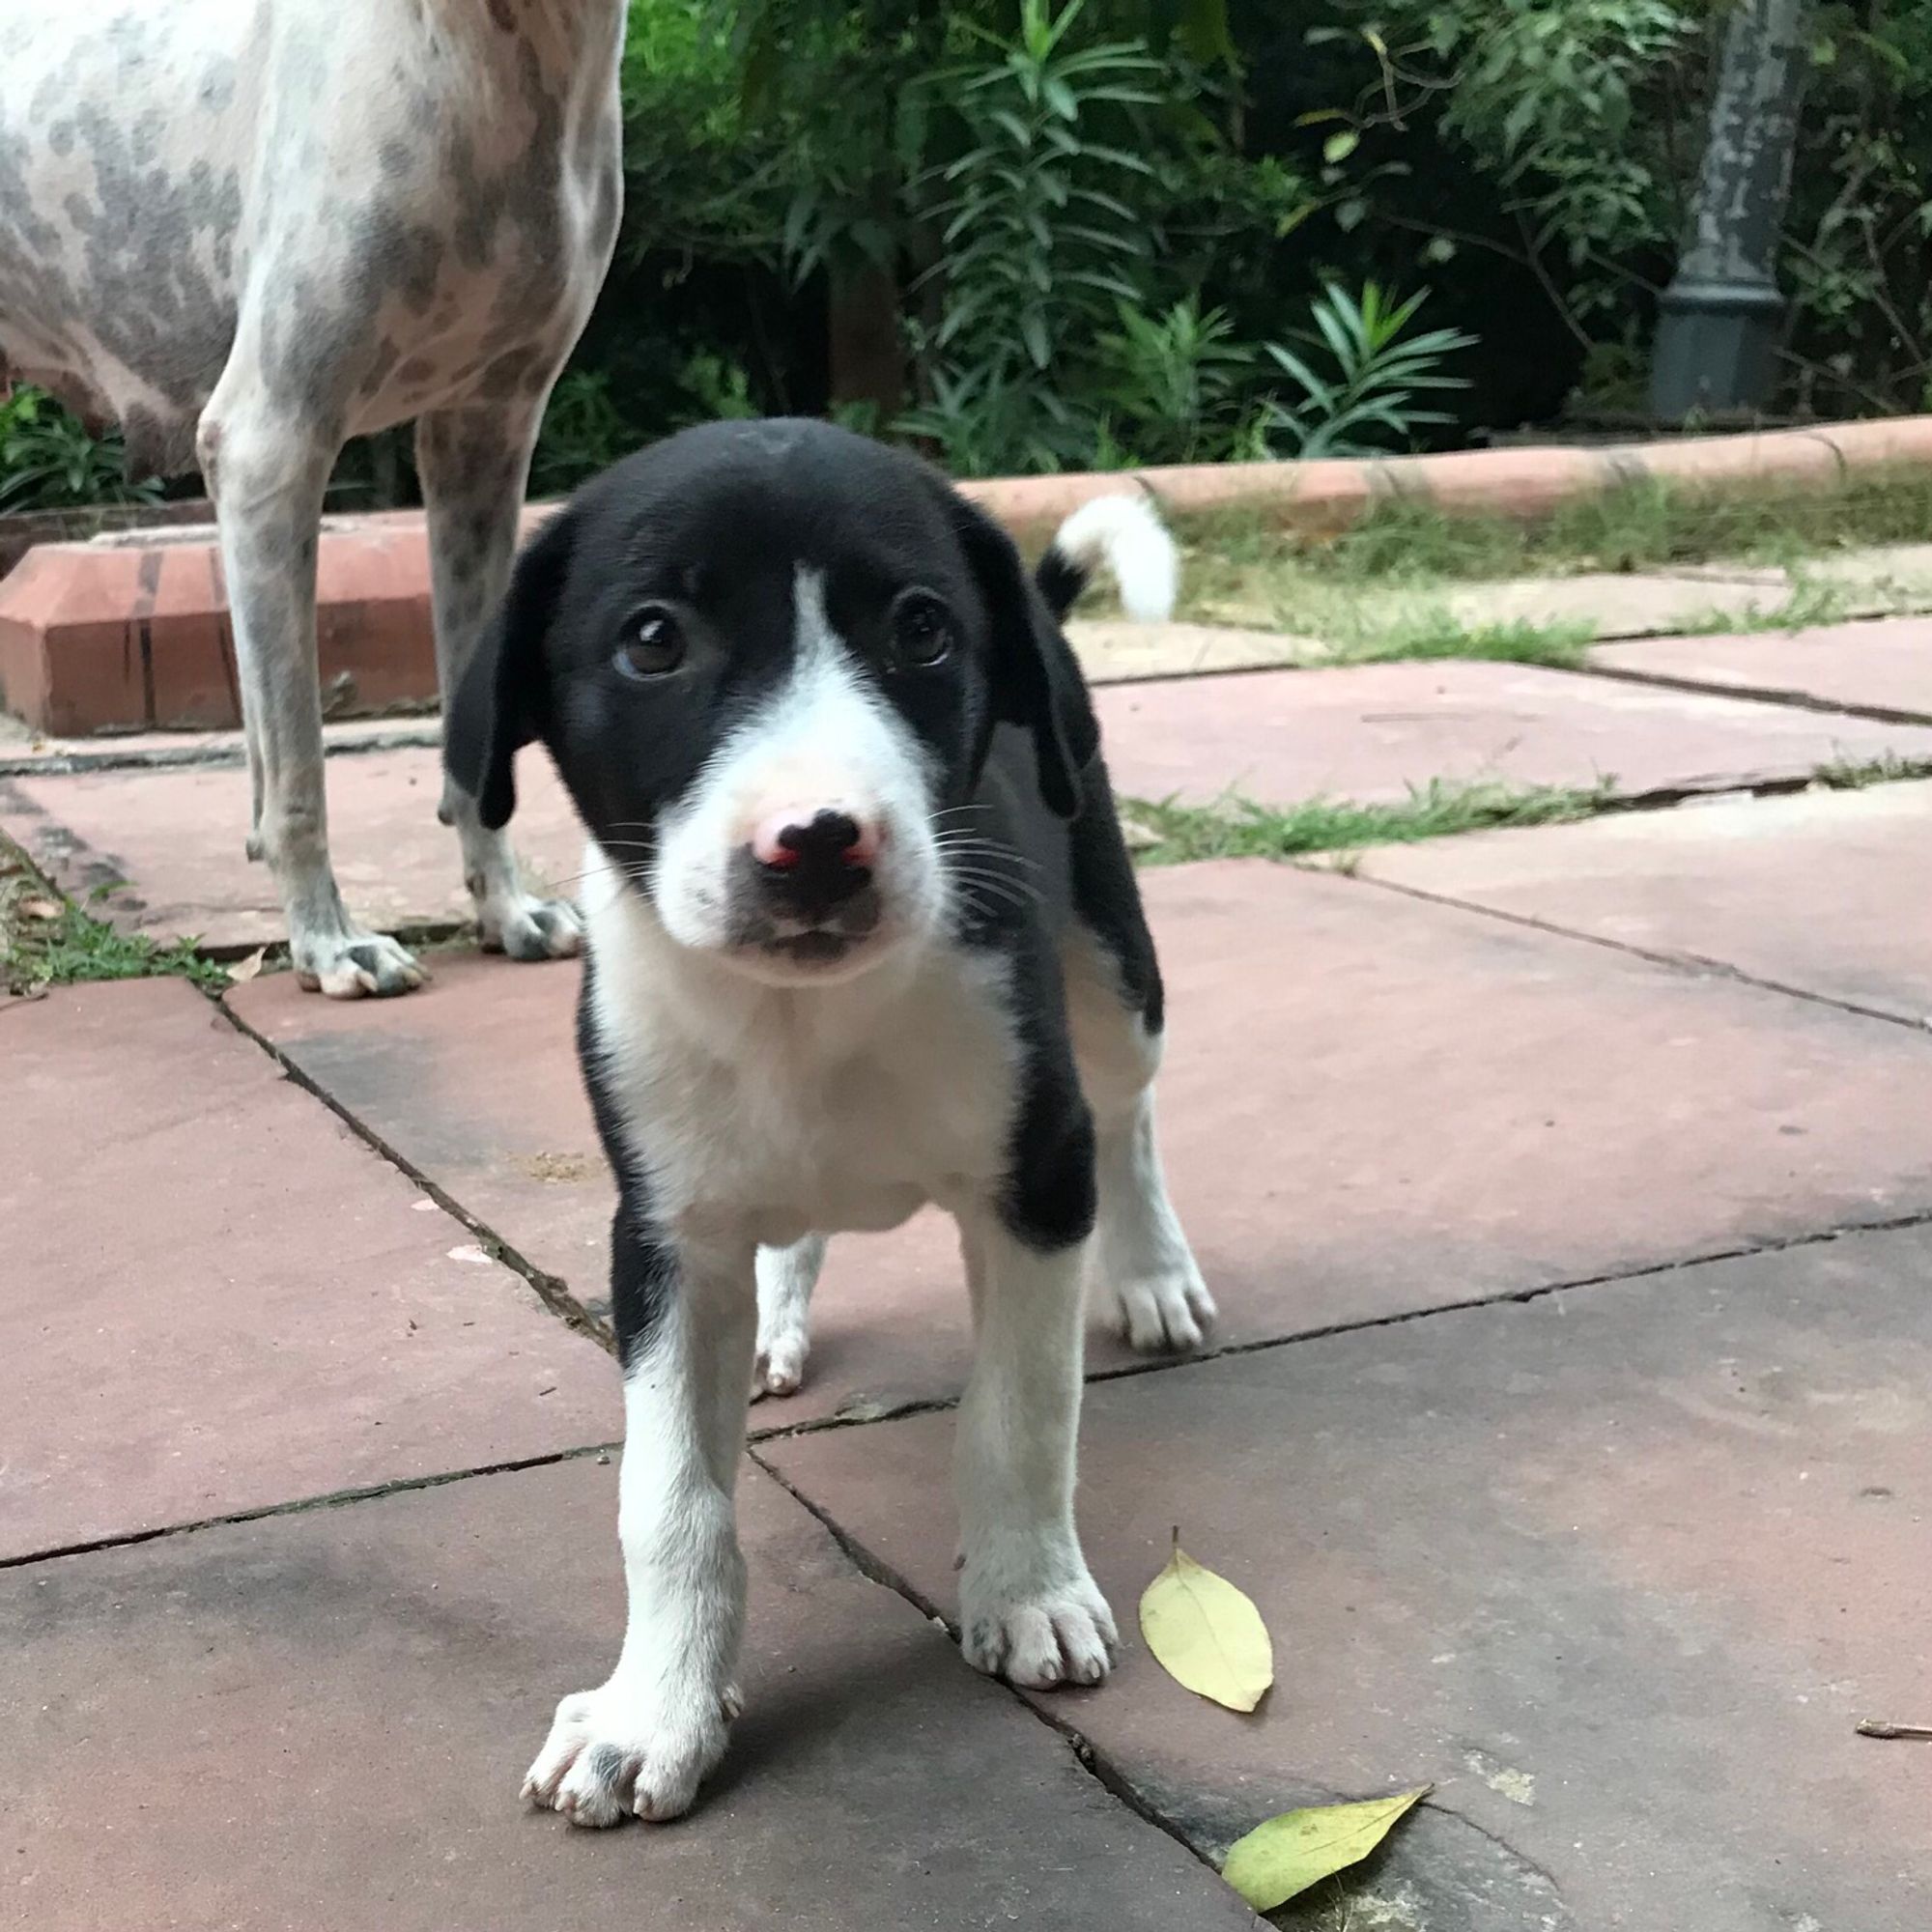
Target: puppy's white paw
(1166,1313)
(529,929)
(614,1752)
(780,1368)
(786,1277)
(355,965)
(1040,1635)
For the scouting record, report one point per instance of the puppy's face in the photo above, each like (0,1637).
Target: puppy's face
(767,659)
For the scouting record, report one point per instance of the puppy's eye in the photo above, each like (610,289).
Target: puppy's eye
(655,645)
(923,630)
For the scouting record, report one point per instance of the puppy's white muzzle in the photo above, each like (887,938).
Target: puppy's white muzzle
(805,852)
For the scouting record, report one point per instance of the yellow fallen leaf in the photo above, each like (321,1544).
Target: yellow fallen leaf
(1207,1634)
(245,970)
(1285,1855)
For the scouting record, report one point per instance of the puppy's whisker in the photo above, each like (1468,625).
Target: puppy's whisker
(993,857)
(632,872)
(989,860)
(1012,891)
(956,836)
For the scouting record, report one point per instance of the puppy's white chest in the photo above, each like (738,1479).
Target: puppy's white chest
(835,1109)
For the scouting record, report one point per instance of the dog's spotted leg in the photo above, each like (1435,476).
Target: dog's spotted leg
(475,465)
(644,1740)
(266,470)
(1028,1608)
(786,1277)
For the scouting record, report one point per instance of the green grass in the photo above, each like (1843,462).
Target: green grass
(1810,602)
(1238,828)
(1240,567)
(47,940)
(1856,774)
(1433,631)
(1164,831)
(1649,525)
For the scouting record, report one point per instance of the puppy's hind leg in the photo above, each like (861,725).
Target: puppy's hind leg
(266,466)
(474,464)
(786,1277)
(1140,1250)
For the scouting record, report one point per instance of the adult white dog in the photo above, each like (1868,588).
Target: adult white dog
(251,229)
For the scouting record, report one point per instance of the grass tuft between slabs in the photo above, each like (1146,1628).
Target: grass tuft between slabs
(1856,774)
(1166,833)
(1434,632)
(48,939)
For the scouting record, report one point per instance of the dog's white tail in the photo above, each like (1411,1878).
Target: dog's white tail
(1126,536)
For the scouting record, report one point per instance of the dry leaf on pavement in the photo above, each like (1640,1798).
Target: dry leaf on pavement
(1287,1854)
(1207,1634)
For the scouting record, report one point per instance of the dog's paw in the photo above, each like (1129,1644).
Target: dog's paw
(786,1277)
(356,966)
(613,1753)
(780,1368)
(528,928)
(1037,1637)
(1165,1314)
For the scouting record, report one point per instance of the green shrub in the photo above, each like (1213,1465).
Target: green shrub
(50,459)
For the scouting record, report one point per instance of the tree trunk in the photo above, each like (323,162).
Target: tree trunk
(866,346)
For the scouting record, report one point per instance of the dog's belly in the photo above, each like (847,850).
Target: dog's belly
(873,1210)
(121,146)
(392,232)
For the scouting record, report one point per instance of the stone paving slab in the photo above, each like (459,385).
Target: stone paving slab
(213,1298)
(1902,569)
(1367,732)
(1372,733)
(1618,1570)
(1874,576)
(1121,652)
(1600,604)
(1882,666)
(1614,603)
(1821,890)
(27,754)
(321,1719)
(176,836)
(1371,1105)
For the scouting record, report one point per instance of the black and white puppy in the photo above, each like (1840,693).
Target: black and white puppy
(863,935)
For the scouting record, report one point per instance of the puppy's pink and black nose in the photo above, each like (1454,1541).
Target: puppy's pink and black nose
(811,859)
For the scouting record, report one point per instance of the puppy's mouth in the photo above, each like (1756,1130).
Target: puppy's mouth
(808,946)
(819,947)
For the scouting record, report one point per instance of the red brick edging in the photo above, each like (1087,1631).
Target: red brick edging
(1524,483)
(131,633)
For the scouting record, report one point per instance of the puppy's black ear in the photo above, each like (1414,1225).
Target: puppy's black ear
(499,701)
(1036,679)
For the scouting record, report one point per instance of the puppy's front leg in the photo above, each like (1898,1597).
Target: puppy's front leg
(644,1740)
(1028,1608)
